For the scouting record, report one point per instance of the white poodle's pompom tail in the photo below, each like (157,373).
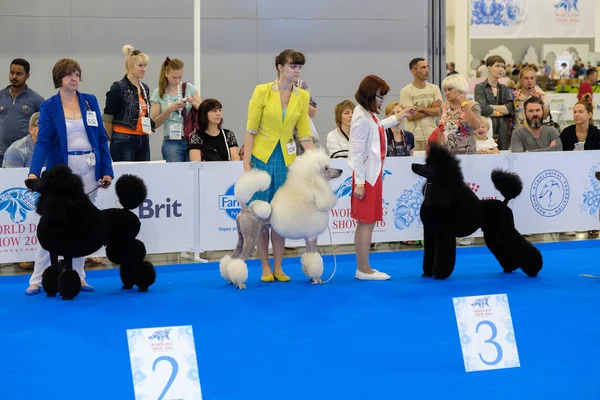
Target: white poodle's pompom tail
(237,270)
(312,265)
(261,208)
(223,267)
(249,183)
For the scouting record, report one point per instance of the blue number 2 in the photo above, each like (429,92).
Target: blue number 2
(491,340)
(174,371)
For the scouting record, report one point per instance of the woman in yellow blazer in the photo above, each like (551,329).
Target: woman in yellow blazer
(274,110)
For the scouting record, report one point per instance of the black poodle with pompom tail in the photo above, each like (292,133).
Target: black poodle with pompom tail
(122,247)
(450,209)
(72,226)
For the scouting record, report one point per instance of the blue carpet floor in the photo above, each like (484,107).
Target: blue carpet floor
(343,340)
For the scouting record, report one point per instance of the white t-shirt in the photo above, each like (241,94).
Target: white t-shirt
(488,144)
(412,96)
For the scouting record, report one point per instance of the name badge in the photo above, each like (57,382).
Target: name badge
(291,148)
(91,160)
(91,118)
(146,127)
(175,132)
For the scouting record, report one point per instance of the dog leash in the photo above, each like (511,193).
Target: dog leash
(334,256)
(99,185)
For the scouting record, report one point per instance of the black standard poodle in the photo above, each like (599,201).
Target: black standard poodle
(71,226)
(450,209)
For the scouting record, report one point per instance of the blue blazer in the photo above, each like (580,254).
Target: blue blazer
(51,146)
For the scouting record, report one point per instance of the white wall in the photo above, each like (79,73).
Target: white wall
(343,41)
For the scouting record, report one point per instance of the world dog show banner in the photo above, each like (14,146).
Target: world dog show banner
(494,19)
(166,215)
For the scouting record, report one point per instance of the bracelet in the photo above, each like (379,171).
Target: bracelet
(464,103)
(360,185)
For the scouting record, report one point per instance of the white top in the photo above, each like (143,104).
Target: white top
(336,142)
(77,139)
(484,72)
(364,156)
(488,144)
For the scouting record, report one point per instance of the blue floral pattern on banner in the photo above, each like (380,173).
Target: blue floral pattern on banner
(18,202)
(133,336)
(192,373)
(591,194)
(345,189)
(408,206)
(497,12)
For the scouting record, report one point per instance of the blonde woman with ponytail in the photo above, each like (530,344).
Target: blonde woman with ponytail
(170,105)
(127,112)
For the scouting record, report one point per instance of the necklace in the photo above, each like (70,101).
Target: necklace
(581,135)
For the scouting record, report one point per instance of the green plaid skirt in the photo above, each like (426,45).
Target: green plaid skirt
(276,168)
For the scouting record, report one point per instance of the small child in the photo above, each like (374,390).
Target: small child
(484,141)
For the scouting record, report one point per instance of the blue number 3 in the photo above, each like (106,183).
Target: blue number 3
(174,371)
(491,340)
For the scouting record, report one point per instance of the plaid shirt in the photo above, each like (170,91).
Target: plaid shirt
(501,126)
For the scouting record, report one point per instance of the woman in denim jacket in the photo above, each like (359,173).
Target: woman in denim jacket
(127,113)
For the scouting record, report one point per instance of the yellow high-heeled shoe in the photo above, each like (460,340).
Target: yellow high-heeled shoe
(282,277)
(267,278)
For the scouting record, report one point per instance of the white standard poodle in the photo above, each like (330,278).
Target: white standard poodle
(299,210)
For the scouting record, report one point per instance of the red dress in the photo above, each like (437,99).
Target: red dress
(369,209)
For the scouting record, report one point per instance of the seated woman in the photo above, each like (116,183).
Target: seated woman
(400,143)
(210,142)
(337,139)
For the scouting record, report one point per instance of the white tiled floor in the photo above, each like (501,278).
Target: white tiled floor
(176,258)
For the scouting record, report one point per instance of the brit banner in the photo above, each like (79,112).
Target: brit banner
(168,208)
(494,19)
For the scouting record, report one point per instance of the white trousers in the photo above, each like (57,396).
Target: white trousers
(80,166)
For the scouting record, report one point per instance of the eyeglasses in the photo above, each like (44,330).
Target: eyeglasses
(136,53)
(380,97)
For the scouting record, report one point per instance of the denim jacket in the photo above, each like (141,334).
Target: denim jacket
(122,104)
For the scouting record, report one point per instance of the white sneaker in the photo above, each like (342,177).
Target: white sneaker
(375,276)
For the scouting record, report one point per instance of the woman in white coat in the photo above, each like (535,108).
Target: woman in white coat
(367,150)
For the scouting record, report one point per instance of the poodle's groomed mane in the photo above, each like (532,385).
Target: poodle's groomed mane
(446,166)
(308,163)
(60,189)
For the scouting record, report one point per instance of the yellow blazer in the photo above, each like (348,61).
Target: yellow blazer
(266,124)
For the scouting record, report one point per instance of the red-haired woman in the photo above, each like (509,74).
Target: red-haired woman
(367,150)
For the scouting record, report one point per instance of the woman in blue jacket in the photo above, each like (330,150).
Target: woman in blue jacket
(70,132)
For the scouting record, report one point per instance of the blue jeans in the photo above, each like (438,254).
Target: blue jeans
(175,150)
(126,147)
